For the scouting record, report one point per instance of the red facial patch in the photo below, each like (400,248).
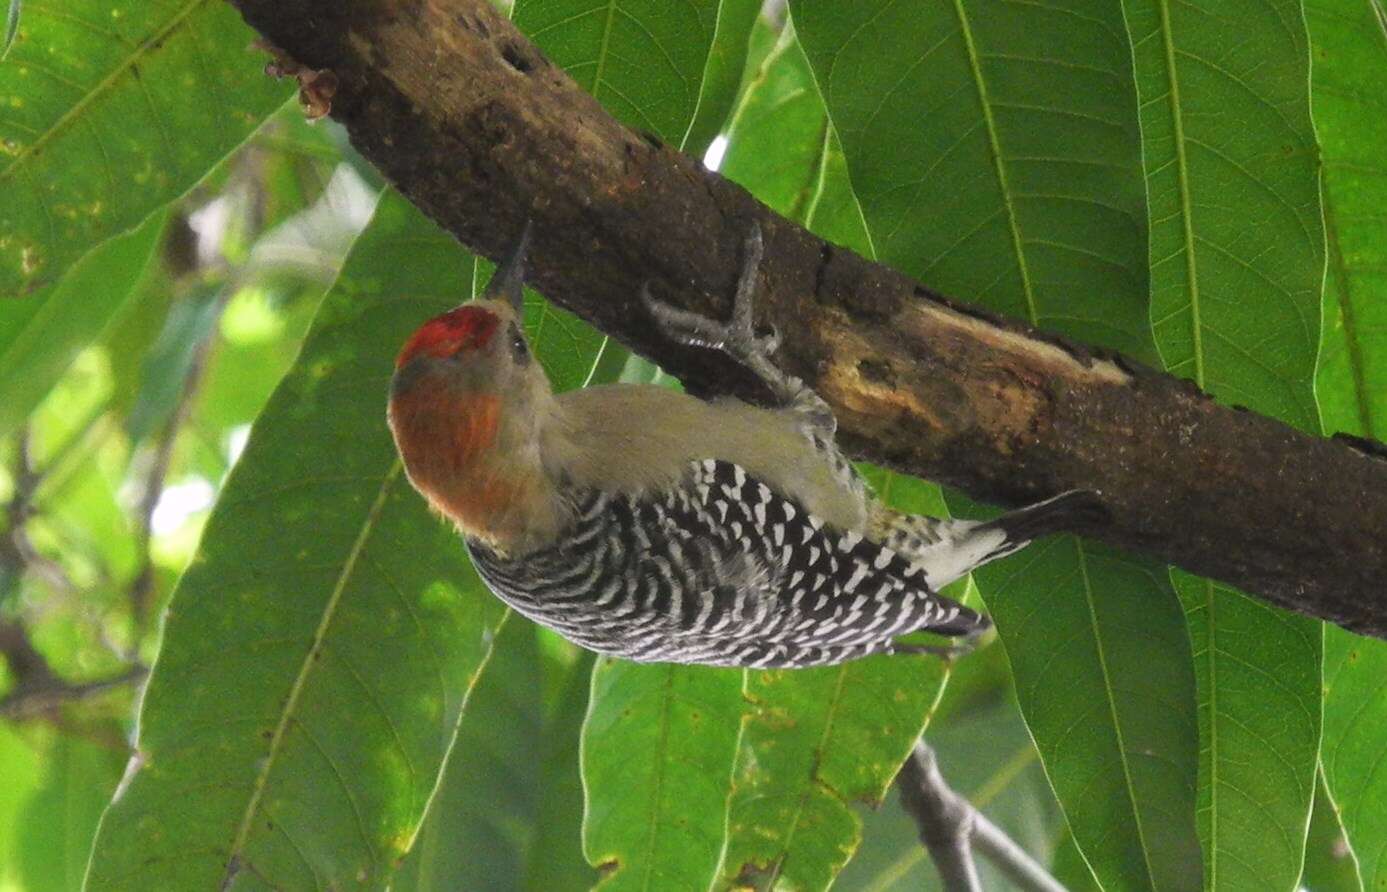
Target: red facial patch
(469,327)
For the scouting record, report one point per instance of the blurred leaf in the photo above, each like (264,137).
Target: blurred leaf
(42,333)
(56,829)
(21,773)
(481,820)
(1355,700)
(985,755)
(1330,865)
(556,854)
(722,76)
(1348,74)
(658,748)
(1069,868)
(1007,170)
(1228,139)
(11,27)
(190,322)
(509,811)
(115,109)
(314,668)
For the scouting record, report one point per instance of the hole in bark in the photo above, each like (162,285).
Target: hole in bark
(511,53)
(877,371)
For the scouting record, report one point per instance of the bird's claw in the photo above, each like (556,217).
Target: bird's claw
(737,337)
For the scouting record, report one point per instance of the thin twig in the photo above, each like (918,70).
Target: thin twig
(950,826)
(41,697)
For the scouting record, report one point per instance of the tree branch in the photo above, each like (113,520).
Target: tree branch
(476,127)
(950,827)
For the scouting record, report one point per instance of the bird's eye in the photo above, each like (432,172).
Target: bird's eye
(520,351)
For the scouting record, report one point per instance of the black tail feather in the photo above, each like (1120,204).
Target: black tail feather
(1066,512)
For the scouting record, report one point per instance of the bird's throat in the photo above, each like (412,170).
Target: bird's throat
(464,458)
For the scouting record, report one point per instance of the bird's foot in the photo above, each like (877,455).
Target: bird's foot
(737,337)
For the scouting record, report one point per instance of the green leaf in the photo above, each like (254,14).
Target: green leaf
(55,833)
(722,76)
(556,855)
(1227,136)
(508,813)
(11,27)
(318,652)
(986,755)
(1102,668)
(113,110)
(1330,865)
(1349,43)
(1257,669)
(1349,63)
(817,741)
(1355,699)
(1001,164)
(645,60)
(21,773)
(1226,130)
(657,749)
(42,333)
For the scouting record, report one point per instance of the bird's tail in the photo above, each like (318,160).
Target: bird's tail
(1069,510)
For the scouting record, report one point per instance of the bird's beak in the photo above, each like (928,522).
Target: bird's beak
(509,280)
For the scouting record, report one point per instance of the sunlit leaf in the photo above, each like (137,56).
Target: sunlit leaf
(55,832)
(112,110)
(42,333)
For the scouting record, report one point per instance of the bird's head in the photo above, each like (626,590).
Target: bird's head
(467,401)
(475,349)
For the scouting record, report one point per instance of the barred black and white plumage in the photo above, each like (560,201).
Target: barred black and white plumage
(650,525)
(723,571)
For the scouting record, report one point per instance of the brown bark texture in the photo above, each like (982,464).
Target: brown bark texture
(470,122)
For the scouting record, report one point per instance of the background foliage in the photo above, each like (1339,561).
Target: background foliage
(200,297)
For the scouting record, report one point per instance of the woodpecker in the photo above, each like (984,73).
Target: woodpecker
(644,523)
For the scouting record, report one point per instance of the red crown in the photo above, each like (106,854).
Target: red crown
(468,327)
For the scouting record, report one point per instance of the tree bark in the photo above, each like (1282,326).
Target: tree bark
(471,122)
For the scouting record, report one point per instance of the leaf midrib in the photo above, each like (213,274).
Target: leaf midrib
(1348,313)
(657,782)
(1186,203)
(152,42)
(995,146)
(1112,711)
(267,764)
